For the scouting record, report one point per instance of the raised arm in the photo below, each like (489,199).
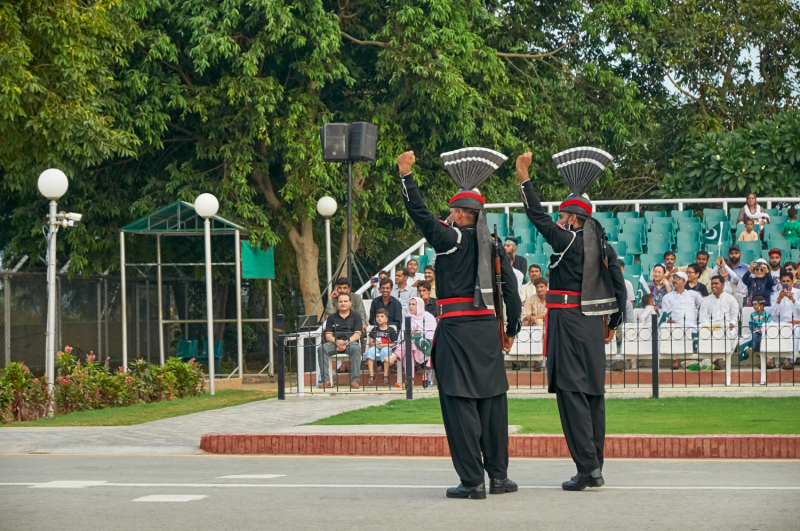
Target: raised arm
(510,293)
(440,236)
(557,237)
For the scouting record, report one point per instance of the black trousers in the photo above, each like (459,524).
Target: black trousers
(583,419)
(476,427)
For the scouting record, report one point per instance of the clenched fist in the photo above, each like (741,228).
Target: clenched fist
(405,161)
(523,163)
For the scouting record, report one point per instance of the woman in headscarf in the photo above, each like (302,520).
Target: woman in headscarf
(752,210)
(423,326)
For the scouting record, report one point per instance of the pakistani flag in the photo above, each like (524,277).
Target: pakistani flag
(713,236)
(643,288)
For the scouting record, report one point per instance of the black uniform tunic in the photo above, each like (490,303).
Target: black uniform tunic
(467,354)
(576,357)
(520,264)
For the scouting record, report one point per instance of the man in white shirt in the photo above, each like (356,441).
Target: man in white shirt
(733,283)
(719,308)
(680,306)
(528,290)
(402,290)
(785,309)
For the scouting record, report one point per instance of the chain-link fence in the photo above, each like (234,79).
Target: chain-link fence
(89,319)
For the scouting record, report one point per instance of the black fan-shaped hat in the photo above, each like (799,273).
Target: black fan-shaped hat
(581,166)
(470,167)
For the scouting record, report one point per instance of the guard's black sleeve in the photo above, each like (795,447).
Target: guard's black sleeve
(557,237)
(510,293)
(373,308)
(440,236)
(620,291)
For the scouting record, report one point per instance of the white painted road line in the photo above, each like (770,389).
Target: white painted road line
(343,486)
(67,484)
(171,498)
(253,476)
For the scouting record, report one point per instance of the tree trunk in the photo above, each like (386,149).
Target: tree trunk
(302,239)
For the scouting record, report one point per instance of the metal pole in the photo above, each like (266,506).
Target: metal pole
(209,305)
(107,312)
(281,369)
(270,329)
(160,304)
(7,323)
(124,303)
(349,220)
(186,309)
(655,355)
(136,298)
(409,361)
(50,364)
(147,319)
(59,341)
(99,322)
(328,252)
(237,253)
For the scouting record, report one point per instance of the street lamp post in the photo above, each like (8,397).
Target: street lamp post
(326,206)
(52,184)
(206,205)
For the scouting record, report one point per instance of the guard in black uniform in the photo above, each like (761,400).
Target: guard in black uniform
(586,286)
(467,354)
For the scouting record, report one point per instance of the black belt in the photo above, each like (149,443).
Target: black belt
(553,298)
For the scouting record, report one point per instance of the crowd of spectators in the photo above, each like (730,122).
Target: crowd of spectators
(690,295)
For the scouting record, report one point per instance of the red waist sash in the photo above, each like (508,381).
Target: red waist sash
(457,306)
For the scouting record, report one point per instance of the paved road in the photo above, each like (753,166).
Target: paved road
(181,435)
(193,492)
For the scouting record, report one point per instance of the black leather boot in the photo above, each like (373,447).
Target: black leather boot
(473,493)
(501,486)
(581,481)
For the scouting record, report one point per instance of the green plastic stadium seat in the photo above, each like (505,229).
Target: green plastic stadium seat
(795,254)
(501,220)
(628,259)
(633,242)
(749,255)
(752,249)
(622,215)
(421,259)
(612,233)
(773,211)
(520,221)
(647,261)
(685,246)
(603,215)
(772,232)
(553,216)
(778,220)
(680,214)
(658,236)
(633,269)
(526,248)
(547,249)
(658,248)
(620,247)
(525,235)
(684,258)
(650,214)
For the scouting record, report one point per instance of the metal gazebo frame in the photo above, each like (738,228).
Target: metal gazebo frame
(181,219)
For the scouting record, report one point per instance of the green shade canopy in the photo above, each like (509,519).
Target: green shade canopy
(180,218)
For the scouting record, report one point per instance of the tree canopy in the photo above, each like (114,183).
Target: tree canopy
(147,101)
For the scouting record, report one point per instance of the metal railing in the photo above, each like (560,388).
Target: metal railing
(653,354)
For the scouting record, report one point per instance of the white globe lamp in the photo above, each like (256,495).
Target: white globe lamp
(53,183)
(326,206)
(206,205)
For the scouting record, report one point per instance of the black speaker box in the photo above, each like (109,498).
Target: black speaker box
(310,354)
(363,139)
(334,139)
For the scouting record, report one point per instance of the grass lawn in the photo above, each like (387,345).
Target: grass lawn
(139,413)
(666,416)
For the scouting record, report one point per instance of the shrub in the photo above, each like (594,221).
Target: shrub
(88,384)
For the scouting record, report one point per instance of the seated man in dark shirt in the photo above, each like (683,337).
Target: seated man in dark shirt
(342,335)
(389,303)
(424,291)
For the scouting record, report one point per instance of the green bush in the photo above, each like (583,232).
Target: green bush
(88,384)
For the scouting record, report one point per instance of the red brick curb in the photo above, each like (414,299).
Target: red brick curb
(642,446)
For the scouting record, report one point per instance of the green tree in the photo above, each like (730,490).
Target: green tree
(763,158)
(57,62)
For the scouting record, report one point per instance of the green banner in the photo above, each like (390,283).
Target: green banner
(257,263)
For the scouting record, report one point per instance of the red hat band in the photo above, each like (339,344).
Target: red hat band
(576,202)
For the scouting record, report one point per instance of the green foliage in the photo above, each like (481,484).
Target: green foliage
(22,395)
(763,158)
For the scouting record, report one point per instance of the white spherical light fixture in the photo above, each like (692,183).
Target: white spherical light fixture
(206,205)
(53,183)
(326,206)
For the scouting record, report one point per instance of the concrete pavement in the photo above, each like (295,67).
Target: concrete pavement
(288,493)
(181,435)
